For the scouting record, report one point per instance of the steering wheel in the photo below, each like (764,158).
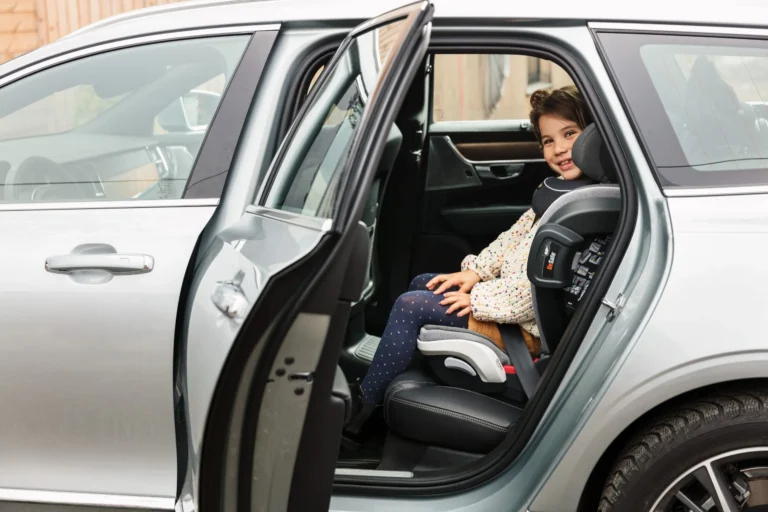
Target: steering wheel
(40,179)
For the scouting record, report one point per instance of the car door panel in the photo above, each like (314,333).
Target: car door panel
(482,220)
(502,150)
(86,403)
(286,422)
(481,176)
(88,356)
(248,254)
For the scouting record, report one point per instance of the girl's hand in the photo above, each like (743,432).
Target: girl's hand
(459,302)
(465,280)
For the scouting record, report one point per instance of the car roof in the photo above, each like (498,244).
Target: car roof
(739,12)
(198,14)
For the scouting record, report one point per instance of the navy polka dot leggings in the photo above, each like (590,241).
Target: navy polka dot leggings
(412,310)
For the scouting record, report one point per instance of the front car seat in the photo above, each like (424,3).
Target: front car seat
(441,407)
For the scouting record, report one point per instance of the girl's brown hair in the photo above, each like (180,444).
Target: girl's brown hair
(565,103)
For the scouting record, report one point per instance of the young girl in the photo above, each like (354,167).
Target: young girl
(493,285)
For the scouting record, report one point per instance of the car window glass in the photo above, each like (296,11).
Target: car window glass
(701,103)
(315,77)
(193,110)
(716,84)
(120,125)
(307,178)
(479,87)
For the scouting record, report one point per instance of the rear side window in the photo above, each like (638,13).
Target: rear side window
(699,103)
(307,190)
(482,87)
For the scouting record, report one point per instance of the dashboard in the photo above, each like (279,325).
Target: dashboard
(94,167)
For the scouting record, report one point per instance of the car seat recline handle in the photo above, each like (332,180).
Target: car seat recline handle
(119,264)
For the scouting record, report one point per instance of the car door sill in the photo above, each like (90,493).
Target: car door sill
(373,472)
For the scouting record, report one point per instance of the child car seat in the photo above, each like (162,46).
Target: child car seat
(442,407)
(567,250)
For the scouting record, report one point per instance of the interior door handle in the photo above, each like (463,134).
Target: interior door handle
(500,171)
(113,263)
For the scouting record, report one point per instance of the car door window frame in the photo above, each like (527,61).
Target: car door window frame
(318,88)
(445,41)
(282,154)
(266,33)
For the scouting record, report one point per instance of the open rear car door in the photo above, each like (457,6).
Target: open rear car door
(262,400)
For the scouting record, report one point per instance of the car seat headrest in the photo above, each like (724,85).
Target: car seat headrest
(591,156)
(552,188)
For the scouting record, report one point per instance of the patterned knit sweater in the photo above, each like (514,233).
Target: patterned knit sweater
(504,293)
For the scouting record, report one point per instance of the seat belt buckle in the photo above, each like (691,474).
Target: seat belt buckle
(510,370)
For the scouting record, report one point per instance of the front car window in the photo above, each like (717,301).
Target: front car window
(308,176)
(58,112)
(120,125)
(701,105)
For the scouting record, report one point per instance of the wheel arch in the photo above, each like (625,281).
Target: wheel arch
(590,494)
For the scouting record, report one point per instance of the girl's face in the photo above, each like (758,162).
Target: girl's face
(557,138)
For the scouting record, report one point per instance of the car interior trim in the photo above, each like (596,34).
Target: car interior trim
(373,472)
(467,161)
(490,126)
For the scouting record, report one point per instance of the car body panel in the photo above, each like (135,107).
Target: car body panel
(85,365)
(93,358)
(691,340)
(285,245)
(703,341)
(231,12)
(193,15)
(617,375)
(259,245)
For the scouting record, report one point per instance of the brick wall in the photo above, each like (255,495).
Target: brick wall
(29,24)
(18,28)
(459,91)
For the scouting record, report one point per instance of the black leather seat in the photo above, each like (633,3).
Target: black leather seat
(420,409)
(419,406)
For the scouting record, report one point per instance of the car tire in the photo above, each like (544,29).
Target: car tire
(681,437)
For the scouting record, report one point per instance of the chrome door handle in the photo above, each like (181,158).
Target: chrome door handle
(230,299)
(122,264)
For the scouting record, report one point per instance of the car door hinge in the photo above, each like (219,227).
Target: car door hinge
(615,307)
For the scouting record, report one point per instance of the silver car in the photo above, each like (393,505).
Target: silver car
(209,208)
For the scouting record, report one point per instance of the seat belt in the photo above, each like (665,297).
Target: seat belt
(520,357)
